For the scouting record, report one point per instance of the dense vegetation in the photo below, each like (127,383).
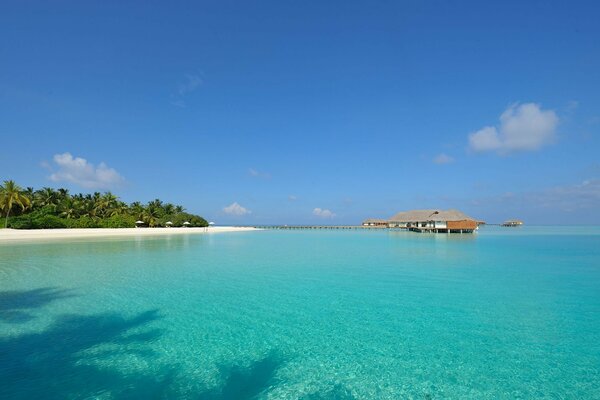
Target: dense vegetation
(48,208)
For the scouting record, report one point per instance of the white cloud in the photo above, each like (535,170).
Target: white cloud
(178,102)
(258,174)
(485,139)
(573,203)
(291,197)
(189,85)
(79,171)
(524,127)
(443,159)
(585,195)
(323,213)
(572,105)
(236,209)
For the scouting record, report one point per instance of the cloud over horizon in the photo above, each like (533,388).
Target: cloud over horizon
(236,209)
(523,127)
(584,195)
(80,172)
(554,204)
(443,159)
(323,213)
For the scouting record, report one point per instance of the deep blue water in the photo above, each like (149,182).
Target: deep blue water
(506,313)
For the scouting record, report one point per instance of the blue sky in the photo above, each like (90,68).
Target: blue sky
(308,112)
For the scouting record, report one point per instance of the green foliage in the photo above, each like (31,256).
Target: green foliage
(83,222)
(39,219)
(57,208)
(196,220)
(119,221)
(21,222)
(179,218)
(50,222)
(12,195)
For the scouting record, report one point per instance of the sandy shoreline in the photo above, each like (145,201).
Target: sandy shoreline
(13,235)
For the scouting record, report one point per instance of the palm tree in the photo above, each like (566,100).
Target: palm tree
(29,192)
(119,208)
(169,209)
(136,209)
(62,195)
(151,215)
(46,197)
(88,209)
(156,204)
(68,208)
(107,204)
(10,195)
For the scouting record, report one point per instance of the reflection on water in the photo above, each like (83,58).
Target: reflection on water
(444,237)
(107,245)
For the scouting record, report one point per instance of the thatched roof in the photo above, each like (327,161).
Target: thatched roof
(374,221)
(430,215)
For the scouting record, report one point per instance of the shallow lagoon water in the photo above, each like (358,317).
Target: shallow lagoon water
(505,313)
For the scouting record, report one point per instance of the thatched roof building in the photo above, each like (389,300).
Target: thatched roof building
(430,215)
(434,221)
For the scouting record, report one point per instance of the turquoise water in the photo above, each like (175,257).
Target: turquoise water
(507,313)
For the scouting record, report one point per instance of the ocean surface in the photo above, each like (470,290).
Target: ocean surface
(507,313)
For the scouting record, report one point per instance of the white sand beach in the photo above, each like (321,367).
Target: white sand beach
(7,235)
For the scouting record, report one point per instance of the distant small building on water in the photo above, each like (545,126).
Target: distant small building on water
(512,223)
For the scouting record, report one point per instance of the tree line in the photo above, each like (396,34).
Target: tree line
(47,208)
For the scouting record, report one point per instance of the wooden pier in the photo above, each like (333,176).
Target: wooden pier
(438,230)
(321,227)
(362,227)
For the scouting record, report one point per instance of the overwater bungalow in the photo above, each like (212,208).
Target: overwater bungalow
(375,222)
(435,221)
(512,223)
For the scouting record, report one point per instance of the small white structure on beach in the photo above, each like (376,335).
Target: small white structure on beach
(169,224)
(139,223)
(186,224)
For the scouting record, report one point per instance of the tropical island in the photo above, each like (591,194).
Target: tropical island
(48,208)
